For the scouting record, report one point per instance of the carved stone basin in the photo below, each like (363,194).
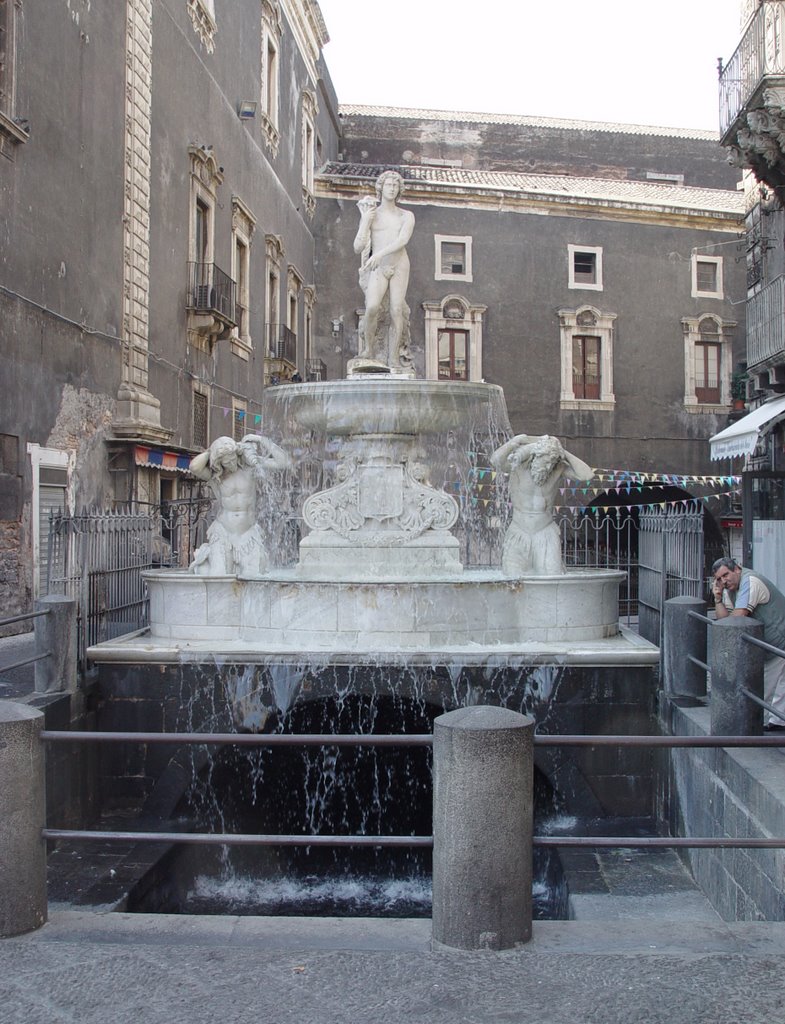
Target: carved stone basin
(385,405)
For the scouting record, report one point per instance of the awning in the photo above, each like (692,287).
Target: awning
(158,458)
(741,437)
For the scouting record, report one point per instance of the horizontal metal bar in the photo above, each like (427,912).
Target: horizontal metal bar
(390,740)
(756,699)
(701,618)
(698,662)
(26,615)
(237,839)
(240,839)
(762,643)
(659,741)
(243,739)
(680,842)
(25,661)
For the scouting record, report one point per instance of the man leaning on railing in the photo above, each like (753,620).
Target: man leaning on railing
(740,591)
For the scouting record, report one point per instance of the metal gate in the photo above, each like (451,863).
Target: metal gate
(670,562)
(98,557)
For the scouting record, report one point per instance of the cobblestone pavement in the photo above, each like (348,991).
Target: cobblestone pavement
(122,968)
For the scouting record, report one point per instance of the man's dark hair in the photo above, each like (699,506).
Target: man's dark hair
(728,563)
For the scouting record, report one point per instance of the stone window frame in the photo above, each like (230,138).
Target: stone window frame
(12,127)
(274,257)
(453,311)
(243,226)
(691,328)
(310,111)
(309,304)
(587,319)
(439,274)
(294,287)
(719,292)
(572,282)
(271,33)
(202,13)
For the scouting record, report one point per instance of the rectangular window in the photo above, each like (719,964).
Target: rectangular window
(453,356)
(453,258)
(707,277)
(270,94)
(586,366)
(707,371)
(585,267)
(200,432)
(238,417)
(241,275)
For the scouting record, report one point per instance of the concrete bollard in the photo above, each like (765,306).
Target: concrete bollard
(22,816)
(55,632)
(683,635)
(483,771)
(735,664)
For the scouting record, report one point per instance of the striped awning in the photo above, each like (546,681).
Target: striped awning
(159,458)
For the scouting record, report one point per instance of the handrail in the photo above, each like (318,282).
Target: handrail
(393,740)
(26,615)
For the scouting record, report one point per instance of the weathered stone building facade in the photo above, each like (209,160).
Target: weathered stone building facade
(156,169)
(180,188)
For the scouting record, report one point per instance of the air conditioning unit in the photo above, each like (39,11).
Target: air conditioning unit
(202,296)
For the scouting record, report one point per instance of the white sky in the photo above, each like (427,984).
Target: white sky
(633,61)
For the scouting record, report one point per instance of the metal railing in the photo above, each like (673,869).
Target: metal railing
(765,314)
(315,369)
(211,290)
(760,53)
(400,740)
(281,343)
(10,620)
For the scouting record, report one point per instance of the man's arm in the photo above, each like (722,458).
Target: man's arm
(501,455)
(200,466)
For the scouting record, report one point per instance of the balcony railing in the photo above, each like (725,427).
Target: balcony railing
(315,369)
(211,291)
(760,53)
(281,343)
(766,323)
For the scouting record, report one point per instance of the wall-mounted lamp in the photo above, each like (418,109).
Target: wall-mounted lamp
(247,110)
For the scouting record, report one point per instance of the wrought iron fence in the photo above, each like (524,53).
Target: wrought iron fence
(211,290)
(98,557)
(672,557)
(281,343)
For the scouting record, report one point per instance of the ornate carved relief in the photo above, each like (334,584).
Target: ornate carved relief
(202,14)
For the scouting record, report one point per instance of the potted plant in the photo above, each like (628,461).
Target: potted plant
(738,389)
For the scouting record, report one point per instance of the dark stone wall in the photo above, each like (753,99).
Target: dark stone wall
(211,698)
(539,149)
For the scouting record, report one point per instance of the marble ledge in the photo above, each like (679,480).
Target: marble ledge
(626,648)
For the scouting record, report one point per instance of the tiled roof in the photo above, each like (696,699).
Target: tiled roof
(555,185)
(569,124)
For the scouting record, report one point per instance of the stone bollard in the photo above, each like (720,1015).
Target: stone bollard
(483,772)
(22,816)
(683,635)
(55,632)
(735,664)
